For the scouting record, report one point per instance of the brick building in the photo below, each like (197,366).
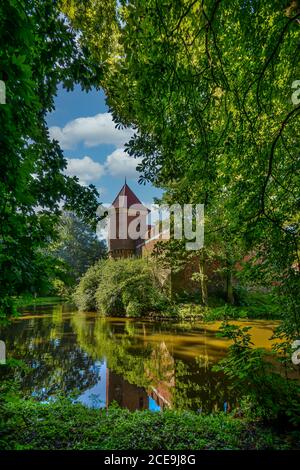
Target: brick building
(129,210)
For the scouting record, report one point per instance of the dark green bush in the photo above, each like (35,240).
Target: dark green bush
(129,287)
(26,425)
(269,395)
(84,295)
(125,287)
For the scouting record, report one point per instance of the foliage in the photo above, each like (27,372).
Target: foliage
(121,287)
(26,425)
(85,292)
(220,74)
(77,246)
(254,305)
(226,135)
(29,301)
(191,311)
(38,51)
(271,396)
(251,305)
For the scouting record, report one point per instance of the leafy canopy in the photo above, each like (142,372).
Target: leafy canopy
(39,51)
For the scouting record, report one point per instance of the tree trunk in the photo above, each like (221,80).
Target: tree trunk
(229,287)
(203,280)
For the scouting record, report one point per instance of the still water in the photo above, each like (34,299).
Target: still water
(138,364)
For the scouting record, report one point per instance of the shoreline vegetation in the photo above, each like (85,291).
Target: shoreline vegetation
(260,307)
(203,99)
(257,424)
(132,288)
(62,425)
(31,301)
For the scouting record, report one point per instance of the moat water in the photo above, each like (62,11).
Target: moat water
(136,363)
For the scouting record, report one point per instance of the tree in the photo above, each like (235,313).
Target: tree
(77,246)
(38,51)
(208,85)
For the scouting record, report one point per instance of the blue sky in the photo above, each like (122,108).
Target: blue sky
(93,146)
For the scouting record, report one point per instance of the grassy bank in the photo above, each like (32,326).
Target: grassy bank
(62,425)
(132,288)
(30,301)
(253,306)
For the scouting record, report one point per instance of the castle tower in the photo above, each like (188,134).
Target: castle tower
(121,245)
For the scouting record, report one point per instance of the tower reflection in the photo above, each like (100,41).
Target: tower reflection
(124,393)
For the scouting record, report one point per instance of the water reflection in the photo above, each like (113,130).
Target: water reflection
(137,364)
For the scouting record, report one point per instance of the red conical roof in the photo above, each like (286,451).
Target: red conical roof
(131,197)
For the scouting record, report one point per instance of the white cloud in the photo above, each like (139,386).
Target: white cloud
(120,164)
(85,169)
(92,131)
(117,164)
(101,190)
